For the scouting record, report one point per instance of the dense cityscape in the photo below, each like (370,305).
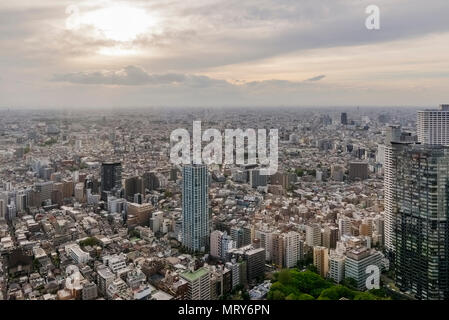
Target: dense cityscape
(221,159)
(91,207)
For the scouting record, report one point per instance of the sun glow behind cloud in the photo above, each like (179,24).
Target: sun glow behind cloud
(120,23)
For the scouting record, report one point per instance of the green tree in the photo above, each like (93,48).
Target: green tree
(285,277)
(350,282)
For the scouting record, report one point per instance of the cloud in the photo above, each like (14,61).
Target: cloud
(317,78)
(136,76)
(202,43)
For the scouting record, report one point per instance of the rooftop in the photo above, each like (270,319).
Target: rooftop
(195,275)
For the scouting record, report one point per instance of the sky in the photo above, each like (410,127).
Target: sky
(137,53)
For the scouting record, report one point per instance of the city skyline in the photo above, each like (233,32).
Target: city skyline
(233,152)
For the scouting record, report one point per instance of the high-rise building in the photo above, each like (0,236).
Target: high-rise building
(282,178)
(337,172)
(421,222)
(379,227)
(366,228)
(79,192)
(344,118)
(151,180)
(313,235)
(358,170)
(293,248)
(252,267)
(278,250)
(111,178)
(241,236)
(68,188)
(3,209)
(321,260)
(195,207)
(433,126)
(255,259)
(235,273)
(226,244)
(43,192)
(256,179)
(393,136)
(330,237)
(133,185)
(215,243)
(22,199)
(265,242)
(336,266)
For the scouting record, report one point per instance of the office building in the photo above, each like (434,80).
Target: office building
(133,185)
(357,261)
(344,118)
(111,178)
(421,229)
(358,170)
(256,179)
(255,259)
(77,254)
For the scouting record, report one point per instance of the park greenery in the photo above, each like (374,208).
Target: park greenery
(89,242)
(293,284)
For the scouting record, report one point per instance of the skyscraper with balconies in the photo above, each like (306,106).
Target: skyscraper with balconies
(433,125)
(195,207)
(421,222)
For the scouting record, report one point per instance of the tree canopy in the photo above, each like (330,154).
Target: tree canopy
(293,284)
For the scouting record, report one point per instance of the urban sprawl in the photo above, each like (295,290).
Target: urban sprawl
(91,207)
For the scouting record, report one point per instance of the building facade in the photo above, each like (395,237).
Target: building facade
(195,208)
(421,229)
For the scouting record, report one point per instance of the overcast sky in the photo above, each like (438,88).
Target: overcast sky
(101,53)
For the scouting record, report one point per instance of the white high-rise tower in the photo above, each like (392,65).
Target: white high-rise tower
(433,126)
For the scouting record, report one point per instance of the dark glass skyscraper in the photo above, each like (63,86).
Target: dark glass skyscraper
(344,118)
(420,223)
(195,207)
(111,178)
